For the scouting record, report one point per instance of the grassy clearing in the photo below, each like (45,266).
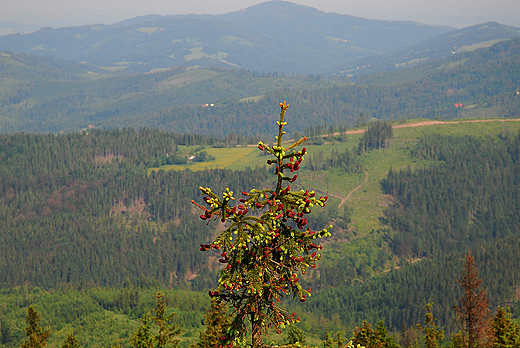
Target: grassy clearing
(368,202)
(188,77)
(234,158)
(471,127)
(479,45)
(198,52)
(113,68)
(150,30)
(254,99)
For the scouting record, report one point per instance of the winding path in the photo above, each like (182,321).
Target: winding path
(343,200)
(410,125)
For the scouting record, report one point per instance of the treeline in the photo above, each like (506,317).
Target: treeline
(81,208)
(346,160)
(377,136)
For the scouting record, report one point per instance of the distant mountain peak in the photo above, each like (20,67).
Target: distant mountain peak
(270,36)
(274,9)
(279,4)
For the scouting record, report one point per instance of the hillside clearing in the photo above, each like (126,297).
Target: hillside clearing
(360,193)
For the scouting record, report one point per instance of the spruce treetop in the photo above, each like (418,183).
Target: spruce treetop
(265,245)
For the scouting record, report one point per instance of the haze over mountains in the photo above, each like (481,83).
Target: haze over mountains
(47,95)
(272,36)
(279,36)
(444,45)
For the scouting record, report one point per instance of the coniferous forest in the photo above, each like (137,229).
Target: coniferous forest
(76,197)
(87,228)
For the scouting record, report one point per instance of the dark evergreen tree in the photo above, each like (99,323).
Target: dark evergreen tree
(5,332)
(506,332)
(217,321)
(36,335)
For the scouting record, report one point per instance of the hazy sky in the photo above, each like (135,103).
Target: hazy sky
(457,13)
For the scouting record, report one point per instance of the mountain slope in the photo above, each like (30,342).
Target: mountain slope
(45,95)
(35,97)
(273,36)
(445,45)
(482,83)
(79,209)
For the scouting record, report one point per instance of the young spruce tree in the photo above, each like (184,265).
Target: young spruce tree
(164,336)
(217,321)
(264,251)
(367,337)
(432,332)
(505,331)
(71,342)
(36,335)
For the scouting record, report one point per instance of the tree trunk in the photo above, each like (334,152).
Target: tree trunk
(256,341)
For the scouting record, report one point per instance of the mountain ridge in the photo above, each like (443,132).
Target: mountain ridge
(292,38)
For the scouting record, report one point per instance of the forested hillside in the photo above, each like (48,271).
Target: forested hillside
(62,195)
(468,200)
(473,197)
(98,317)
(47,95)
(79,211)
(98,170)
(479,83)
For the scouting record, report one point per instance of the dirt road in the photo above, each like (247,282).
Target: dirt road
(431,123)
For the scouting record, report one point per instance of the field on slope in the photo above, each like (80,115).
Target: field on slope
(360,192)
